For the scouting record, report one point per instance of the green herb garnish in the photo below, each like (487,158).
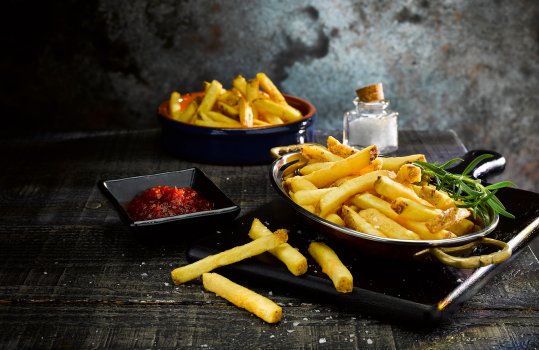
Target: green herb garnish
(466,191)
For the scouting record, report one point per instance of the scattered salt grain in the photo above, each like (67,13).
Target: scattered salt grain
(322,340)
(305,319)
(290,330)
(272,336)
(369,341)
(45,272)
(316,310)
(144,274)
(295,324)
(166,284)
(270,292)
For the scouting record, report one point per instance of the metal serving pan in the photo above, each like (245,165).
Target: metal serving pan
(447,251)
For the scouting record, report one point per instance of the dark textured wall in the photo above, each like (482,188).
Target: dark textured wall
(472,66)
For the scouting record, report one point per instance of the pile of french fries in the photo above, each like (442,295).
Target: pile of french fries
(380,196)
(275,243)
(249,103)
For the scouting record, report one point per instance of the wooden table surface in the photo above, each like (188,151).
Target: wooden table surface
(72,275)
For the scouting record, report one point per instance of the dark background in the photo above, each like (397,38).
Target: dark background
(471,66)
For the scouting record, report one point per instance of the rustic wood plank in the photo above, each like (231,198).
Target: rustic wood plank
(73,276)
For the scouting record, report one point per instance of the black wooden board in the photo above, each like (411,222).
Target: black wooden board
(383,287)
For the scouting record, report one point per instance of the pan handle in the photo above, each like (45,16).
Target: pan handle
(488,167)
(445,255)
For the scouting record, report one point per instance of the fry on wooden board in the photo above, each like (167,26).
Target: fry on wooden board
(242,297)
(332,266)
(227,257)
(291,257)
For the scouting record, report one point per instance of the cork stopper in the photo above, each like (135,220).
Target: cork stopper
(371,93)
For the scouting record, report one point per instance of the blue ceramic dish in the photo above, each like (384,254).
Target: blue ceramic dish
(122,191)
(235,146)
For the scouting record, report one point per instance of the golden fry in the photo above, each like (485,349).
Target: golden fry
(242,297)
(298,183)
(462,227)
(332,266)
(283,111)
(312,167)
(317,152)
(388,227)
(332,200)
(336,147)
(227,257)
(423,232)
(344,167)
(227,109)
(391,189)
(367,200)
(409,173)
(409,209)
(448,218)
(246,113)
(439,199)
(291,257)
(240,84)
(270,88)
(174,105)
(211,96)
(394,163)
(356,222)
(336,219)
(308,197)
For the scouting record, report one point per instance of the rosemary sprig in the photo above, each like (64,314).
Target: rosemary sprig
(466,191)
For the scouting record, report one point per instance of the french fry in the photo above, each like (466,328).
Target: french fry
(219,117)
(174,105)
(332,266)
(336,147)
(332,200)
(228,109)
(242,297)
(298,183)
(394,163)
(375,165)
(258,122)
(462,227)
(283,111)
(367,200)
(291,257)
(251,93)
(240,84)
(344,167)
(391,189)
(270,88)
(356,222)
(423,232)
(388,227)
(246,113)
(273,119)
(336,219)
(409,173)
(211,96)
(317,152)
(409,209)
(448,218)
(312,167)
(308,197)
(439,199)
(227,257)
(229,97)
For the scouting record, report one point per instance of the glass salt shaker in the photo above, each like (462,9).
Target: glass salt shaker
(372,122)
